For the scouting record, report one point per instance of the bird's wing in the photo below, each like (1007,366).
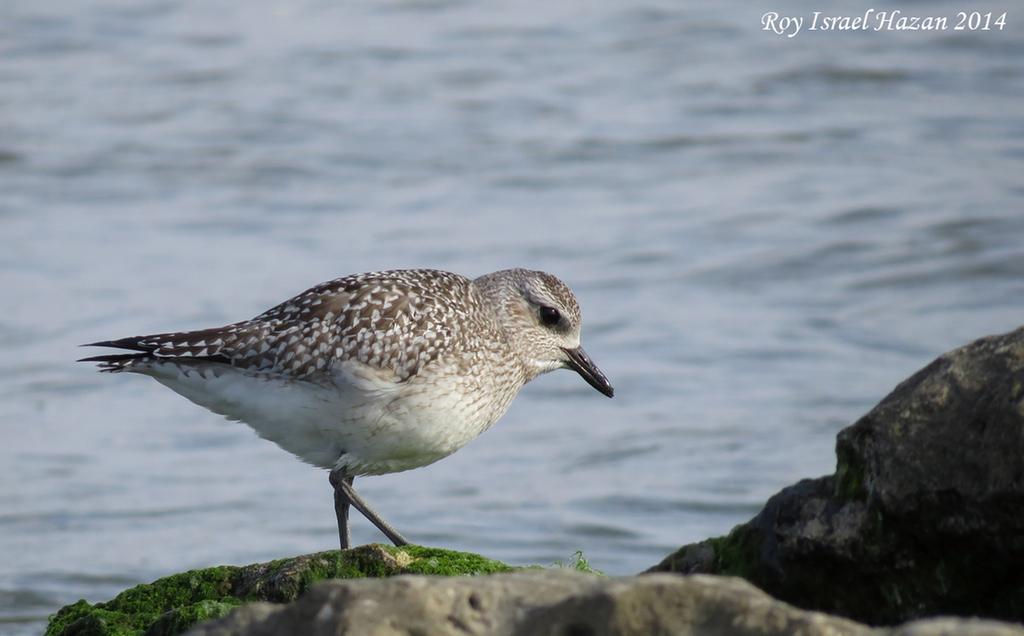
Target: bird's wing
(387,321)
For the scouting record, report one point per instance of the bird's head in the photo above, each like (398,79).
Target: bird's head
(542,319)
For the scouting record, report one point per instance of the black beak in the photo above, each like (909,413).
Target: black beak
(581,363)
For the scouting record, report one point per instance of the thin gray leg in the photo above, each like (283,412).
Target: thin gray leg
(345,495)
(336,477)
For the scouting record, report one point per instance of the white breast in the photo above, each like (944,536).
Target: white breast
(359,417)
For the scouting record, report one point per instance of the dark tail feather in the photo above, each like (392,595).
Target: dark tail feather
(166,346)
(116,362)
(120,361)
(116,357)
(135,343)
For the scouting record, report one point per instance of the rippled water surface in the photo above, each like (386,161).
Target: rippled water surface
(766,235)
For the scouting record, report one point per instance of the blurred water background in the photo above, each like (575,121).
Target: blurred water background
(766,235)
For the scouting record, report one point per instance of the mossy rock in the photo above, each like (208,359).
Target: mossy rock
(173,604)
(924,515)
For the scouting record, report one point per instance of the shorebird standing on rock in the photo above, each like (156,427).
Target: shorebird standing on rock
(374,373)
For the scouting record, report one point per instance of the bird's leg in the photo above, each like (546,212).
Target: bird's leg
(337,477)
(357,502)
(345,495)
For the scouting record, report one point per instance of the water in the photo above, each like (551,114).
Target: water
(766,235)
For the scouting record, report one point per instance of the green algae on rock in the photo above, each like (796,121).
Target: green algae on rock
(579,563)
(175,603)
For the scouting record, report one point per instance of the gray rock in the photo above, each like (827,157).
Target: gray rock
(566,603)
(925,514)
(956,627)
(534,602)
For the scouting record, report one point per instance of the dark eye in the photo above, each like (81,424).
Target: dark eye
(549,316)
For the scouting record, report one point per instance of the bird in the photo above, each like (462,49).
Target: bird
(374,373)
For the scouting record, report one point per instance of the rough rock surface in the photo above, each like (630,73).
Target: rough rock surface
(562,603)
(924,515)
